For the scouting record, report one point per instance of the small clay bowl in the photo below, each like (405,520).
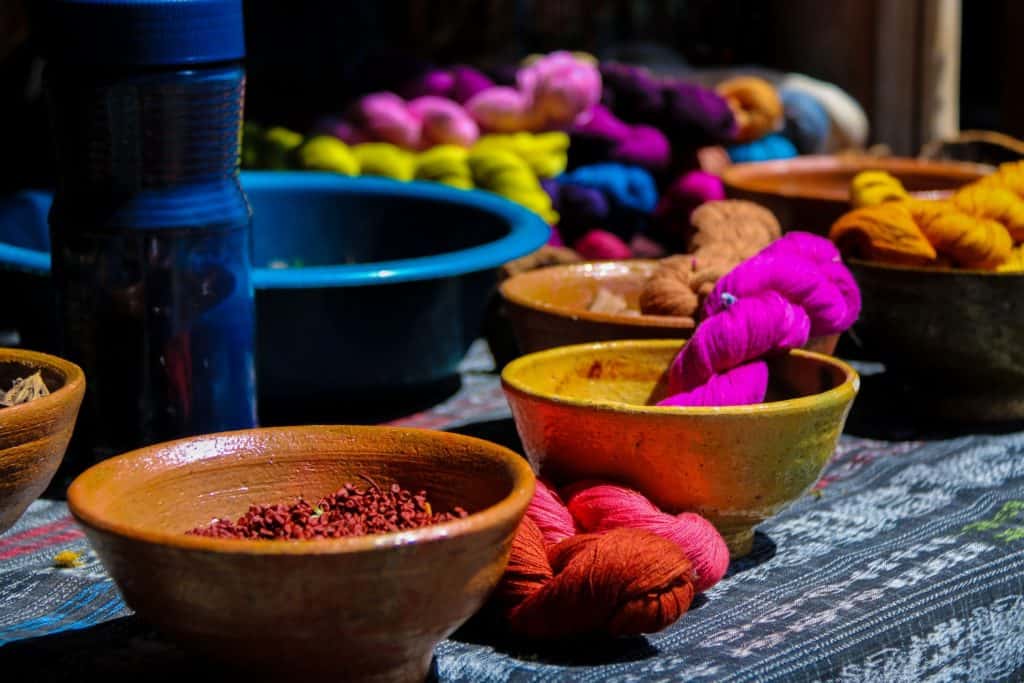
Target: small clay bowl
(367,608)
(953,335)
(548,307)
(34,435)
(586,412)
(811,192)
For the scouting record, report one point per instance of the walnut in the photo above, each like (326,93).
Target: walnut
(746,227)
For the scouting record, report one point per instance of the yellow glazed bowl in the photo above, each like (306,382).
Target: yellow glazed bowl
(583,412)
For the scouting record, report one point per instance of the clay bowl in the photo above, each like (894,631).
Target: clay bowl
(34,436)
(367,608)
(583,412)
(811,192)
(548,307)
(953,335)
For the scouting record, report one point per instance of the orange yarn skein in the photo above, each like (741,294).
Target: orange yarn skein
(589,583)
(886,233)
(756,105)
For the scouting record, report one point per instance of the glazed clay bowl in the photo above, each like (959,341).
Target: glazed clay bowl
(34,435)
(367,608)
(953,335)
(584,412)
(549,307)
(811,192)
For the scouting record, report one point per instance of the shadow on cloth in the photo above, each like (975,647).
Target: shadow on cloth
(122,647)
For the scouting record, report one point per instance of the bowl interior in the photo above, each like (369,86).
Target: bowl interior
(569,290)
(320,226)
(828,177)
(635,374)
(12,370)
(297,223)
(162,491)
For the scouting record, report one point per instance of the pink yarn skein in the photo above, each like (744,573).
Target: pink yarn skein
(561,88)
(601,245)
(384,117)
(598,507)
(502,109)
(807,270)
(443,122)
(550,514)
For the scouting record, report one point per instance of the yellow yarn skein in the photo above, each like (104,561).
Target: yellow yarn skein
(446,164)
(326,153)
(383,159)
(546,153)
(276,146)
(869,188)
(997,202)
(507,174)
(971,241)
(1010,175)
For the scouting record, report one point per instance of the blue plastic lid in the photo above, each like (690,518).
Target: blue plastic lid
(142,32)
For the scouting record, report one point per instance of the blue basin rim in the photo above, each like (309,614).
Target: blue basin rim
(527,233)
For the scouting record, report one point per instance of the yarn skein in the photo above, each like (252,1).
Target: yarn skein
(625,582)
(748,328)
(769,147)
(598,507)
(603,137)
(756,105)
(807,124)
(805,269)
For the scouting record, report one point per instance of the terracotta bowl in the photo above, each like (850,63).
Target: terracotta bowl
(34,436)
(584,412)
(955,335)
(811,192)
(548,307)
(367,608)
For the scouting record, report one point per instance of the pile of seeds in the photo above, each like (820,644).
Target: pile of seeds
(346,512)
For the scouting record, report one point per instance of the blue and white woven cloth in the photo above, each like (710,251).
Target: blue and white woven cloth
(907,564)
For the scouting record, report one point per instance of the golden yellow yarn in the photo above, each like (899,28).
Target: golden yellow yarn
(971,241)
(383,159)
(445,164)
(870,188)
(326,153)
(505,173)
(1015,262)
(756,105)
(546,153)
(996,201)
(1010,175)
(886,233)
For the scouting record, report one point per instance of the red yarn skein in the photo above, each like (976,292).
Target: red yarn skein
(600,507)
(621,583)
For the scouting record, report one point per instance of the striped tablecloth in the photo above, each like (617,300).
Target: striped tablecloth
(905,564)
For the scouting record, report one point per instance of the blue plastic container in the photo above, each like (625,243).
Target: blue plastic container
(388,285)
(149,226)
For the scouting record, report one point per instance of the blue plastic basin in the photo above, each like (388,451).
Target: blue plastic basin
(387,287)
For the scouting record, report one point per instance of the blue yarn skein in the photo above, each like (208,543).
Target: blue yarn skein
(629,188)
(769,147)
(807,122)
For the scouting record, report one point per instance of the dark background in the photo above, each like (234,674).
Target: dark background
(310,57)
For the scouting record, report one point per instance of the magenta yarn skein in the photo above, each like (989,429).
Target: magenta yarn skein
(550,514)
(746,329)
(745,384)
(805,269)
(384,117)
(601,245)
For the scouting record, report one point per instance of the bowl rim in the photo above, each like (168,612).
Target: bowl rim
(570,269)
(739,176)
(502,512)
(527,233)
(841,394)
(74,383)
(934,272)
